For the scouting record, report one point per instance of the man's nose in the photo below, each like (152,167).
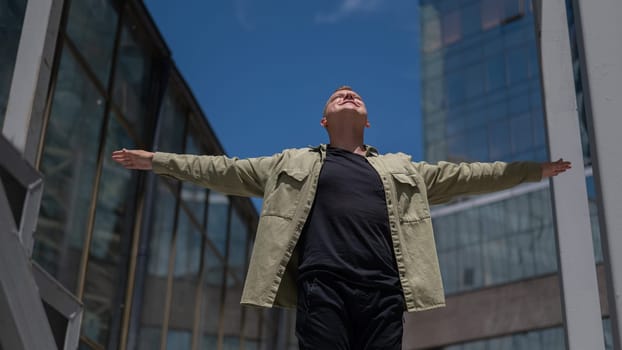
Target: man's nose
(348,97)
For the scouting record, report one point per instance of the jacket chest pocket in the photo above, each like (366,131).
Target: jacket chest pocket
(411,201)
(284,196)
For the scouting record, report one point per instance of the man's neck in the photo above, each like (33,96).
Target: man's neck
(349,144)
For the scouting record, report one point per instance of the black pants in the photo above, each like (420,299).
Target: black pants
(333,314)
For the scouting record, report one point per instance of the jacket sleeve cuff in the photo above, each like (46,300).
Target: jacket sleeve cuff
(534,172)
(160,163)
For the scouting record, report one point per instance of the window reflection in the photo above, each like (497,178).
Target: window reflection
(546,339)
(452,28)
(496,243)
(11,17)
(133,76)
(516,64)
(238,247)
(495,72)
(194,196)
(112,235)
(492,13)
(237,252)
(251,332)
(68,163)
(431,35)
(179,339)
(172,122)
(188,247)
(211,300)
(471,21)
(217,220)
(513,9)
(91,26)
(158,256)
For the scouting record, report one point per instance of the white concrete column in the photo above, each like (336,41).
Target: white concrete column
(599,30)
(577,266)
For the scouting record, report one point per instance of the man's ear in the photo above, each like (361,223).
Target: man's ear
(324,122)
(367,125)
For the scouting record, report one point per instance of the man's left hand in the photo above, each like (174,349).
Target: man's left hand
(554,168)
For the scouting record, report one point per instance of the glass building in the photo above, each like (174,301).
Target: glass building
(154,263)
(482,101)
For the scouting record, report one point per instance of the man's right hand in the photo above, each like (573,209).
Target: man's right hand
(133,159)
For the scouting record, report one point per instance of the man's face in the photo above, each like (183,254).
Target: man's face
(345,100)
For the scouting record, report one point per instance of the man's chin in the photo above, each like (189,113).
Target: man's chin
(354,111)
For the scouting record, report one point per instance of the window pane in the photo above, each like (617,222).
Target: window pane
(452,28)
(11,19)
(179,339)
(211,299)
(433,95)
(516,64)
(133,77)
(112,234)
(495,72)
(68,163)
(188,246)
(149,338)
(454,86)
(522,135)
(194,196)
(232,322)
(499,136)
(513,8)
(91,26)
(471,19)
(238,246)
(474,80)
(158,256)
(172,123)
(492,13)
(217,220)
(431,35)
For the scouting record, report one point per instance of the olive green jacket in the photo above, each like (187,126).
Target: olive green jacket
(287,181)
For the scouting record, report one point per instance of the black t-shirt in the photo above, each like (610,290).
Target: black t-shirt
(347,232)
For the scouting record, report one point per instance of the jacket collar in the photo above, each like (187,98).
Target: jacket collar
(370,151)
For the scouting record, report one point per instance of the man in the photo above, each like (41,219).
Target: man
(345,233)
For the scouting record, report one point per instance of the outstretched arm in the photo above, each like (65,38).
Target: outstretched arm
(446,180)
(240,177)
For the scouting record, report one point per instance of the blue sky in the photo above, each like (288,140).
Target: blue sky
(262,70)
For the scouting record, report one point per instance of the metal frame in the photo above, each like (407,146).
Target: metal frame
(597,24)
(31,181)
(62,301)
(31,76)
(22,317)
(575,253)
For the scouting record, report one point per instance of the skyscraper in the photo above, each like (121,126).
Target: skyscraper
(482,101)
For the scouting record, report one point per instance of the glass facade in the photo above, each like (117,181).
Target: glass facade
(11,20)
(480,81)
(543,339)
(157,264)
(482,101)
(546,339)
